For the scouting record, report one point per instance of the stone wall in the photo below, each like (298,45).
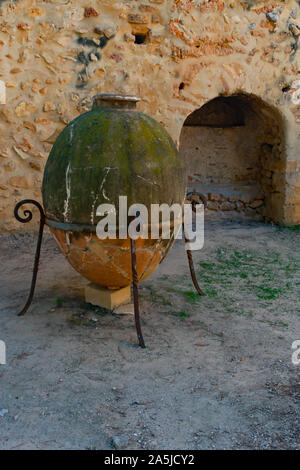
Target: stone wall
(176,54)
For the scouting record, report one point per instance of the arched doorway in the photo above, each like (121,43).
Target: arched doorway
(233,148)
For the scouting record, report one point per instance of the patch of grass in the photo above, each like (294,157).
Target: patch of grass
(248,266)
(164,277)
(58,302)
(280,323)
(242,282)
(211,292)
(267,293)
(179,314)
(252,278)
(244,276)
(276,323)
(191,296)
(156,295)
(292,227)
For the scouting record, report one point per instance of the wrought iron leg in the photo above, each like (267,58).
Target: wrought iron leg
(27,218)
(136,295)
(192,269)
(193,274)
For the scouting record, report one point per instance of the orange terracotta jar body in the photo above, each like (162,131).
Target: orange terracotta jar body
(108,262)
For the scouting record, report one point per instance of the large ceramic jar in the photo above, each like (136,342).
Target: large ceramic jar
(108,152)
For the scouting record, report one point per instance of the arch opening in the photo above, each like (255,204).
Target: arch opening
(233,148)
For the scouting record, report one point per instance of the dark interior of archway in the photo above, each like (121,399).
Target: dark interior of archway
(220,112)
(229,146)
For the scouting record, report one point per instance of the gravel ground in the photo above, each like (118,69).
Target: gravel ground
(217,371)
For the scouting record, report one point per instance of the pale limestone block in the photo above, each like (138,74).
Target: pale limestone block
(106,298)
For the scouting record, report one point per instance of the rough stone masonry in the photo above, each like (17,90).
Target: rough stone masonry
(177,55)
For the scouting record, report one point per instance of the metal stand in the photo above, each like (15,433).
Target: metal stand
(194,197)
(193,274)
(27,218)
(136,295)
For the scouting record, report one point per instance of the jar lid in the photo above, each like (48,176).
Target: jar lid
(112,97)
(109,100)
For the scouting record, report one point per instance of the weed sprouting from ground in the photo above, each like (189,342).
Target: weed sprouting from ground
(156,295)
(179,314)
(191,296)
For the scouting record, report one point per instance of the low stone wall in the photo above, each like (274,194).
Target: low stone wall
(245,205)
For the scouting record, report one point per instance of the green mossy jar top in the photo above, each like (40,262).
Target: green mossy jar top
(108,152)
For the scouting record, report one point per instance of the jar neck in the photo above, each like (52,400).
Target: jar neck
(115,101)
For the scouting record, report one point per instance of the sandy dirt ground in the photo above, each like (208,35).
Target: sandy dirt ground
(217,372)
